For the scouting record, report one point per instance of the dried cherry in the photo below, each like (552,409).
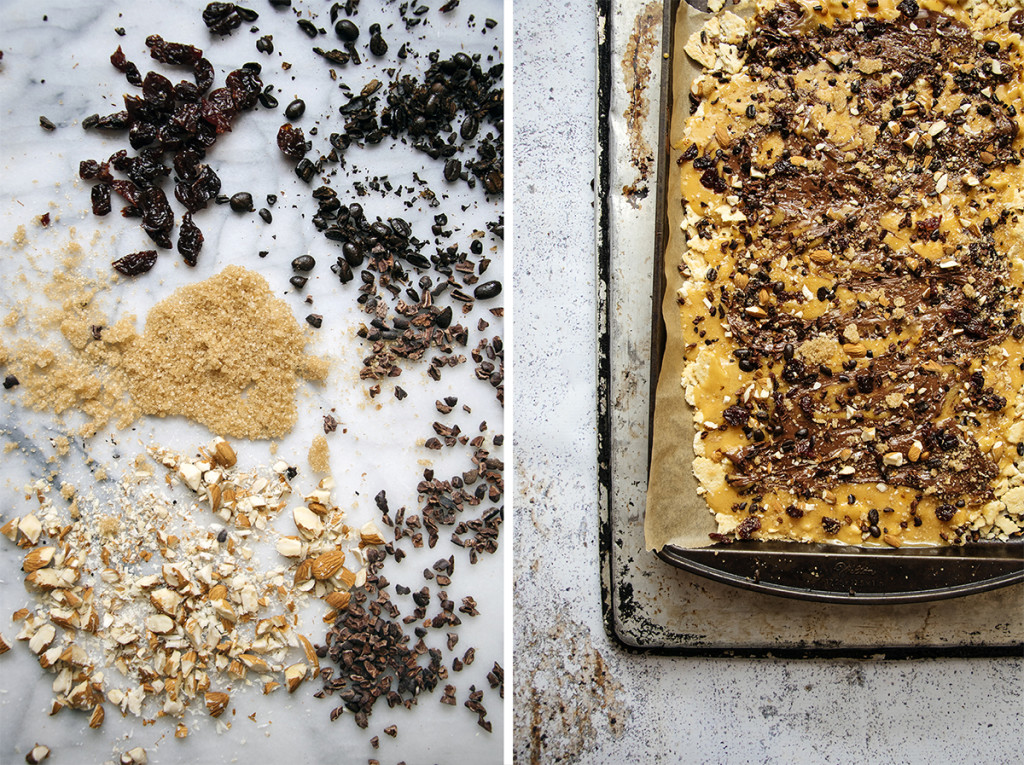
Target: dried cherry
(135,263)
(190,240)
(292,141)
(123,65)
(101,199)
(175,54)
(222,18)
(157,218)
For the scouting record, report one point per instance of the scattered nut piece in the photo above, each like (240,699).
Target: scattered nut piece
(294,675)
(216,703)
(37,755)
(326,565)
(42,638)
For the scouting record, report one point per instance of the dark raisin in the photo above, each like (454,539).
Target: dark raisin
(748,526)
(908,8)
(794,512)
(175,54)
(190,240)
(157,217)
(865,383)
(831,525)
(222,18)
(101,199)
(736,415)
(135,263)
(713,182)
(292,141)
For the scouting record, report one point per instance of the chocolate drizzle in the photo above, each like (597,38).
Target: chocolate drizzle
(905,416)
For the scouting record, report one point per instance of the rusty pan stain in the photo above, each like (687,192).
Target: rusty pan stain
(636,76)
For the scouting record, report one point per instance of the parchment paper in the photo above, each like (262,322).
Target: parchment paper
(676,514)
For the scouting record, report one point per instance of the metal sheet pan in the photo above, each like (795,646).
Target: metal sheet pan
(821,572)
(653,606)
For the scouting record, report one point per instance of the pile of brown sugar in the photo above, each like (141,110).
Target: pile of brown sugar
(223,352)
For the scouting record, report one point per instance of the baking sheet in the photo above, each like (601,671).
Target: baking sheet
(56,64)
(649,605)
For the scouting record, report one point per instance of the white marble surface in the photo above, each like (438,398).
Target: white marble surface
(56,64)
(579,697)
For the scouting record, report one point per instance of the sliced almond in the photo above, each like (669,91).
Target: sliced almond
(161,624)
(217,592)
(216,703)
(224,609)
(181,731)
(294,675)
(165,600)
(310,652)
(254,662)
(369,534)
(10,529)
(191,475)
(289,547)
(214,495)
(96,718)
(307,522)
(304,572)
(346,577)
(326,565)
(42,638)
(31,528)
(136,756)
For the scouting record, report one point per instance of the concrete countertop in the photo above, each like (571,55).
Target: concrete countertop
(579,697)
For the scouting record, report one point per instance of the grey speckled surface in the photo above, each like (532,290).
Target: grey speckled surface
(578,697)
